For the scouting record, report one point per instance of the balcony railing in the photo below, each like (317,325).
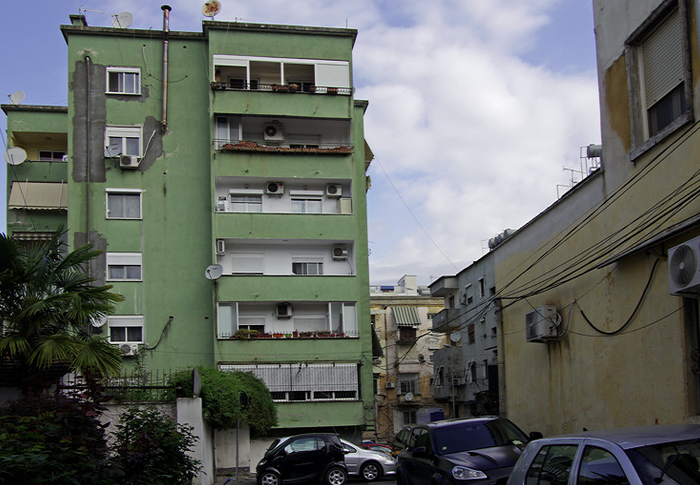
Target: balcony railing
(297,147)
(245,334)
(447,320)
(302,88)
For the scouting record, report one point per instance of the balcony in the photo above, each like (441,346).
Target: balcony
(447,320)
(444,286)
(289,88)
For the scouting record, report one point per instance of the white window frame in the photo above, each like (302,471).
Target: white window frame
(124,260)
(125,192)
(257,194)
(307,196)
(638,102)
(305,261)
(122,71)
(125,321)
(125,132)
(53,156)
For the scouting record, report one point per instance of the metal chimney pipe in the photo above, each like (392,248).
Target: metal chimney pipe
(166,35)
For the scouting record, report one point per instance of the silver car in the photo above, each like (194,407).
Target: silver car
(366,464)
(651,455)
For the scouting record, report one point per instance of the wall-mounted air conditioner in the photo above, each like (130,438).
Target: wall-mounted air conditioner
(334,191)
(390,385)
(340,253)
(220,247)
(128,350)
(274,188)
(129,161)
(542,324)
(284,310)
(684,268)
(273,131)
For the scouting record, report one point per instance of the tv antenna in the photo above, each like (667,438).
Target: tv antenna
(211,8)
(82,10)
(122,20)
(16,98)
(15,155)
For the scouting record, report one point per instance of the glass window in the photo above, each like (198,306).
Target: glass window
(408,383)
(672,463)
(552,465)
(124,266)
(123,140)
(310,268)
(123,205)
(600,467)
(123,80)
(246,203)
(125,329)
(306,206)
(52,156)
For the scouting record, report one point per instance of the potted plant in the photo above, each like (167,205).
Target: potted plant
(332,90)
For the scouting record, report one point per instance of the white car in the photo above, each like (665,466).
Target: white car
(366,464)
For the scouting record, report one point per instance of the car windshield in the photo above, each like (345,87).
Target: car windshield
(469,436)
(675,463)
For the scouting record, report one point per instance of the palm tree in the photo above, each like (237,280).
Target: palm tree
(48,303)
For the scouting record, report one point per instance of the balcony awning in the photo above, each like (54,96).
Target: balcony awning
(38,196)
(406,316)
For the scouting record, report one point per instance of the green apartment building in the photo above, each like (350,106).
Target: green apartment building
(222,173)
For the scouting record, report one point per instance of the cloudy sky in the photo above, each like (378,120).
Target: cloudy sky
(477,109)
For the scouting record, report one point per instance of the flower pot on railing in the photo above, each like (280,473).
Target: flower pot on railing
(293,87)
(332,90)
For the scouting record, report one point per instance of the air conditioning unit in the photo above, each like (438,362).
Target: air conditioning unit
(284,310)
(274,188)
(684,268)
(541,324)
(390,385)
(129,161)
(128,350)
(220,247)
(273,131)
(340,253)
(221,204)
(334,191)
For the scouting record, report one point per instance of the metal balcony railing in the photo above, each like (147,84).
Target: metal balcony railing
(297,88)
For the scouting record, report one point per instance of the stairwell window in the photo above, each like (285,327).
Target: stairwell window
(123,266)
(123,204)
(658,67)
(123,80)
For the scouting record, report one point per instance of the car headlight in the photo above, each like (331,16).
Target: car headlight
(464,473)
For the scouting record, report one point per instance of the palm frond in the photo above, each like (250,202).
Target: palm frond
(98,356)
(53,349)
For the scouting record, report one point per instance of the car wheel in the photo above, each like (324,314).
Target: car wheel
(336,476)
(270,478)
(370,471)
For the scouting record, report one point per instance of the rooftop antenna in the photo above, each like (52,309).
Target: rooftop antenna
(122,20)
(16,98)
(15,155)
(211,8)
(82,10)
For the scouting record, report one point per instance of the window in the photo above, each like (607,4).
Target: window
(123,80)
(600,466)
(246,202)
(52,156)
(481,287)
(247,263)
(123,204)
(124,266)
(307,268)
(659,76)
(309,205)
(227,130)
(124,140)
(408,383)
(409,417)
(407,333)
(125,329)
(551,466)
(471,338)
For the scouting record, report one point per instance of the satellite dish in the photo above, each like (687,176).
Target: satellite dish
(122,20)
(99,322)
(16,98)
(455,336)
(15,155)
(211,8)
(214,271)
(112,151)
(409,396)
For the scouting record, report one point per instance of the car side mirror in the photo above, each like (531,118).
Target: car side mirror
(536,435)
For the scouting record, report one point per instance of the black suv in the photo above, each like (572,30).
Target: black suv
(303,458)
(454,451)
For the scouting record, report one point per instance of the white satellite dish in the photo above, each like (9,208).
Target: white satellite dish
(455,336)
(122,20)
(112,151)
(211,8)
(409,396)
(16,98)
(214,271)
(15,155)
(99,322)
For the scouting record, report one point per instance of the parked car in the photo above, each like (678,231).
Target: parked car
(450,452)
(652,455)
(303,458)
(400,440)
(366,464)
(377,447)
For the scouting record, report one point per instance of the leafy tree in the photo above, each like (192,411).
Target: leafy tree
(54,440)
(220,393)
(47,304)
(152,449)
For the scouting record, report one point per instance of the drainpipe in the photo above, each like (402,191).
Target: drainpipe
(166,34)
(88,139)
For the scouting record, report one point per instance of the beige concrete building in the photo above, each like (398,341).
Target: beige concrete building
(599,307)
(402,319)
